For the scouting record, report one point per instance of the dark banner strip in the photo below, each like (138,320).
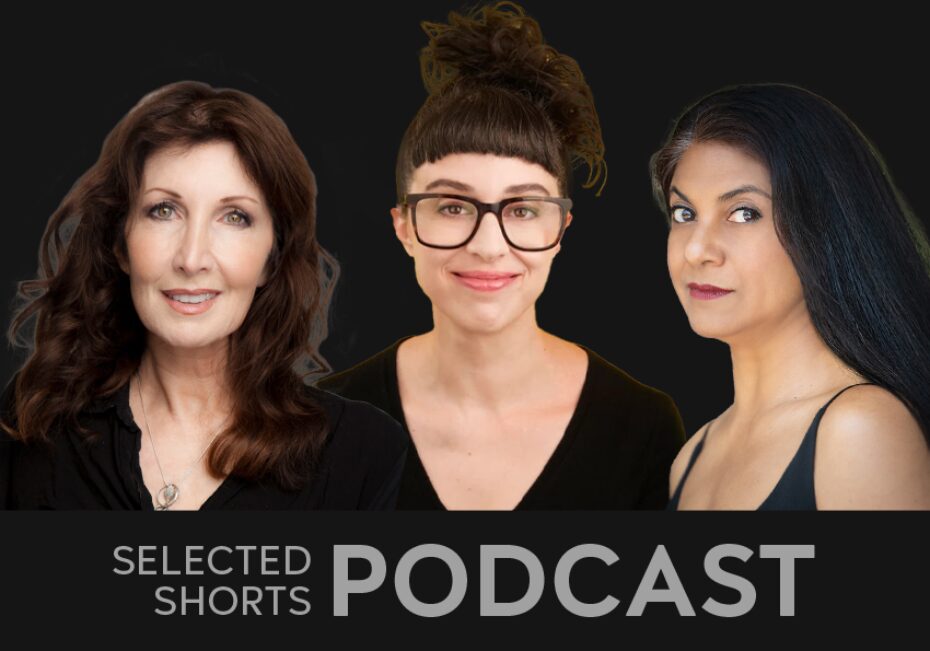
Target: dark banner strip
(662,575)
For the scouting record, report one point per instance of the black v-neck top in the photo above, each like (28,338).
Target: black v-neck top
(360,466)
(616,451)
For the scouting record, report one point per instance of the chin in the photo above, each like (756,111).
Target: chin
(190,340)
(483,319)
(714,328)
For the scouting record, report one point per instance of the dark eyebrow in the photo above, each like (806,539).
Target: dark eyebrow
(171,192)
(223,200)
(526,188)
(455,185)
(240,198)
(680,194)
(743,189)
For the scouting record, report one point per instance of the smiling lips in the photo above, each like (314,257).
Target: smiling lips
(191,301)
(707,292)
(485,281)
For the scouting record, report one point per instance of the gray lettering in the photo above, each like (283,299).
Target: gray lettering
(128,561)
(343,586)
(294,597)
(211,564)
(287,559)
(251,603)
(562,580)
(456,591)
(747,592)
(158,595)
(786,555)
(189,569)
(647,592)
(232,606)
(537,578)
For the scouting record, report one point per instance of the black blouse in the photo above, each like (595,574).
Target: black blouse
(360,466)
(616,452)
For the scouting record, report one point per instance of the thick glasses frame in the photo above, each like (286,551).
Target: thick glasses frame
(483,209)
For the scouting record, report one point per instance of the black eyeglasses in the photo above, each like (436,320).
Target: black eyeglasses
(448,221)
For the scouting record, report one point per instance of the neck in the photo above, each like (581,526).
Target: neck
(490,369)
(786,363)
(189,383)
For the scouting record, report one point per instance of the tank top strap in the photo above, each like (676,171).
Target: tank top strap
(673,503)
(816,422)
(795,488)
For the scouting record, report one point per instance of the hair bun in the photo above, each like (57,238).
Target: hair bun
(493,44)
(499,45)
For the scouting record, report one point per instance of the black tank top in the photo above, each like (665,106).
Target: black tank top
(795,489)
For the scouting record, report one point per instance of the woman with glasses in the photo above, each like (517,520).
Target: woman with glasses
(502,414)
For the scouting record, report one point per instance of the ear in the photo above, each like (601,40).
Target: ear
(403,229)
(121,248)
(558,247)
(119,252)
(270,261)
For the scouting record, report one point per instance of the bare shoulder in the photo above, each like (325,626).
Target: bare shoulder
(684,455)
(871,454)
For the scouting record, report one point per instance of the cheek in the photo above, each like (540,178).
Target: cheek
(675,255)
(243,265)
(429,267)
(785,283)
(148,255)
(772,270)
(537,265)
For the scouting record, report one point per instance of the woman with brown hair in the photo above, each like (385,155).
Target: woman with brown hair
(502,414)
(181,291)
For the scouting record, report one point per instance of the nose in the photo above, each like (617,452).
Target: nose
(193,253)
(704,245)
(488,242)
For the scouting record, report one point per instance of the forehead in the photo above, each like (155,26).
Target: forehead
(490,176)
(207,168)
(715,168)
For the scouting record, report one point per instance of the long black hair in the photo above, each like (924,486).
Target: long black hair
(861,255)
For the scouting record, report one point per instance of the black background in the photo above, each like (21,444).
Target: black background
(346,80)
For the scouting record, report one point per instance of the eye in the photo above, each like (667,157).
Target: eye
(455,209)
(163,210)
(681,214)
(522,212)
(744,214)
(237,218)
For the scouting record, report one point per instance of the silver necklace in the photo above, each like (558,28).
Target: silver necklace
(169,493)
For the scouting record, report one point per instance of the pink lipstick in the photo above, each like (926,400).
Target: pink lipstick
(190,301)
(707,292)
(485,281)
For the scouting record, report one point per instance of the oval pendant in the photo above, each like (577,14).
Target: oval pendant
(167,496)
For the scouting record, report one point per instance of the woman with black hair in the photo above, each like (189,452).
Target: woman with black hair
(502,414)
(789,242)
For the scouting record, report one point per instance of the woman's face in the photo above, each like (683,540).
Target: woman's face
(198,238)
(730,271)
(485,285)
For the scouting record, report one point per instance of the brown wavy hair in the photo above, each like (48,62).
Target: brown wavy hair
(496,87)
(88,339)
